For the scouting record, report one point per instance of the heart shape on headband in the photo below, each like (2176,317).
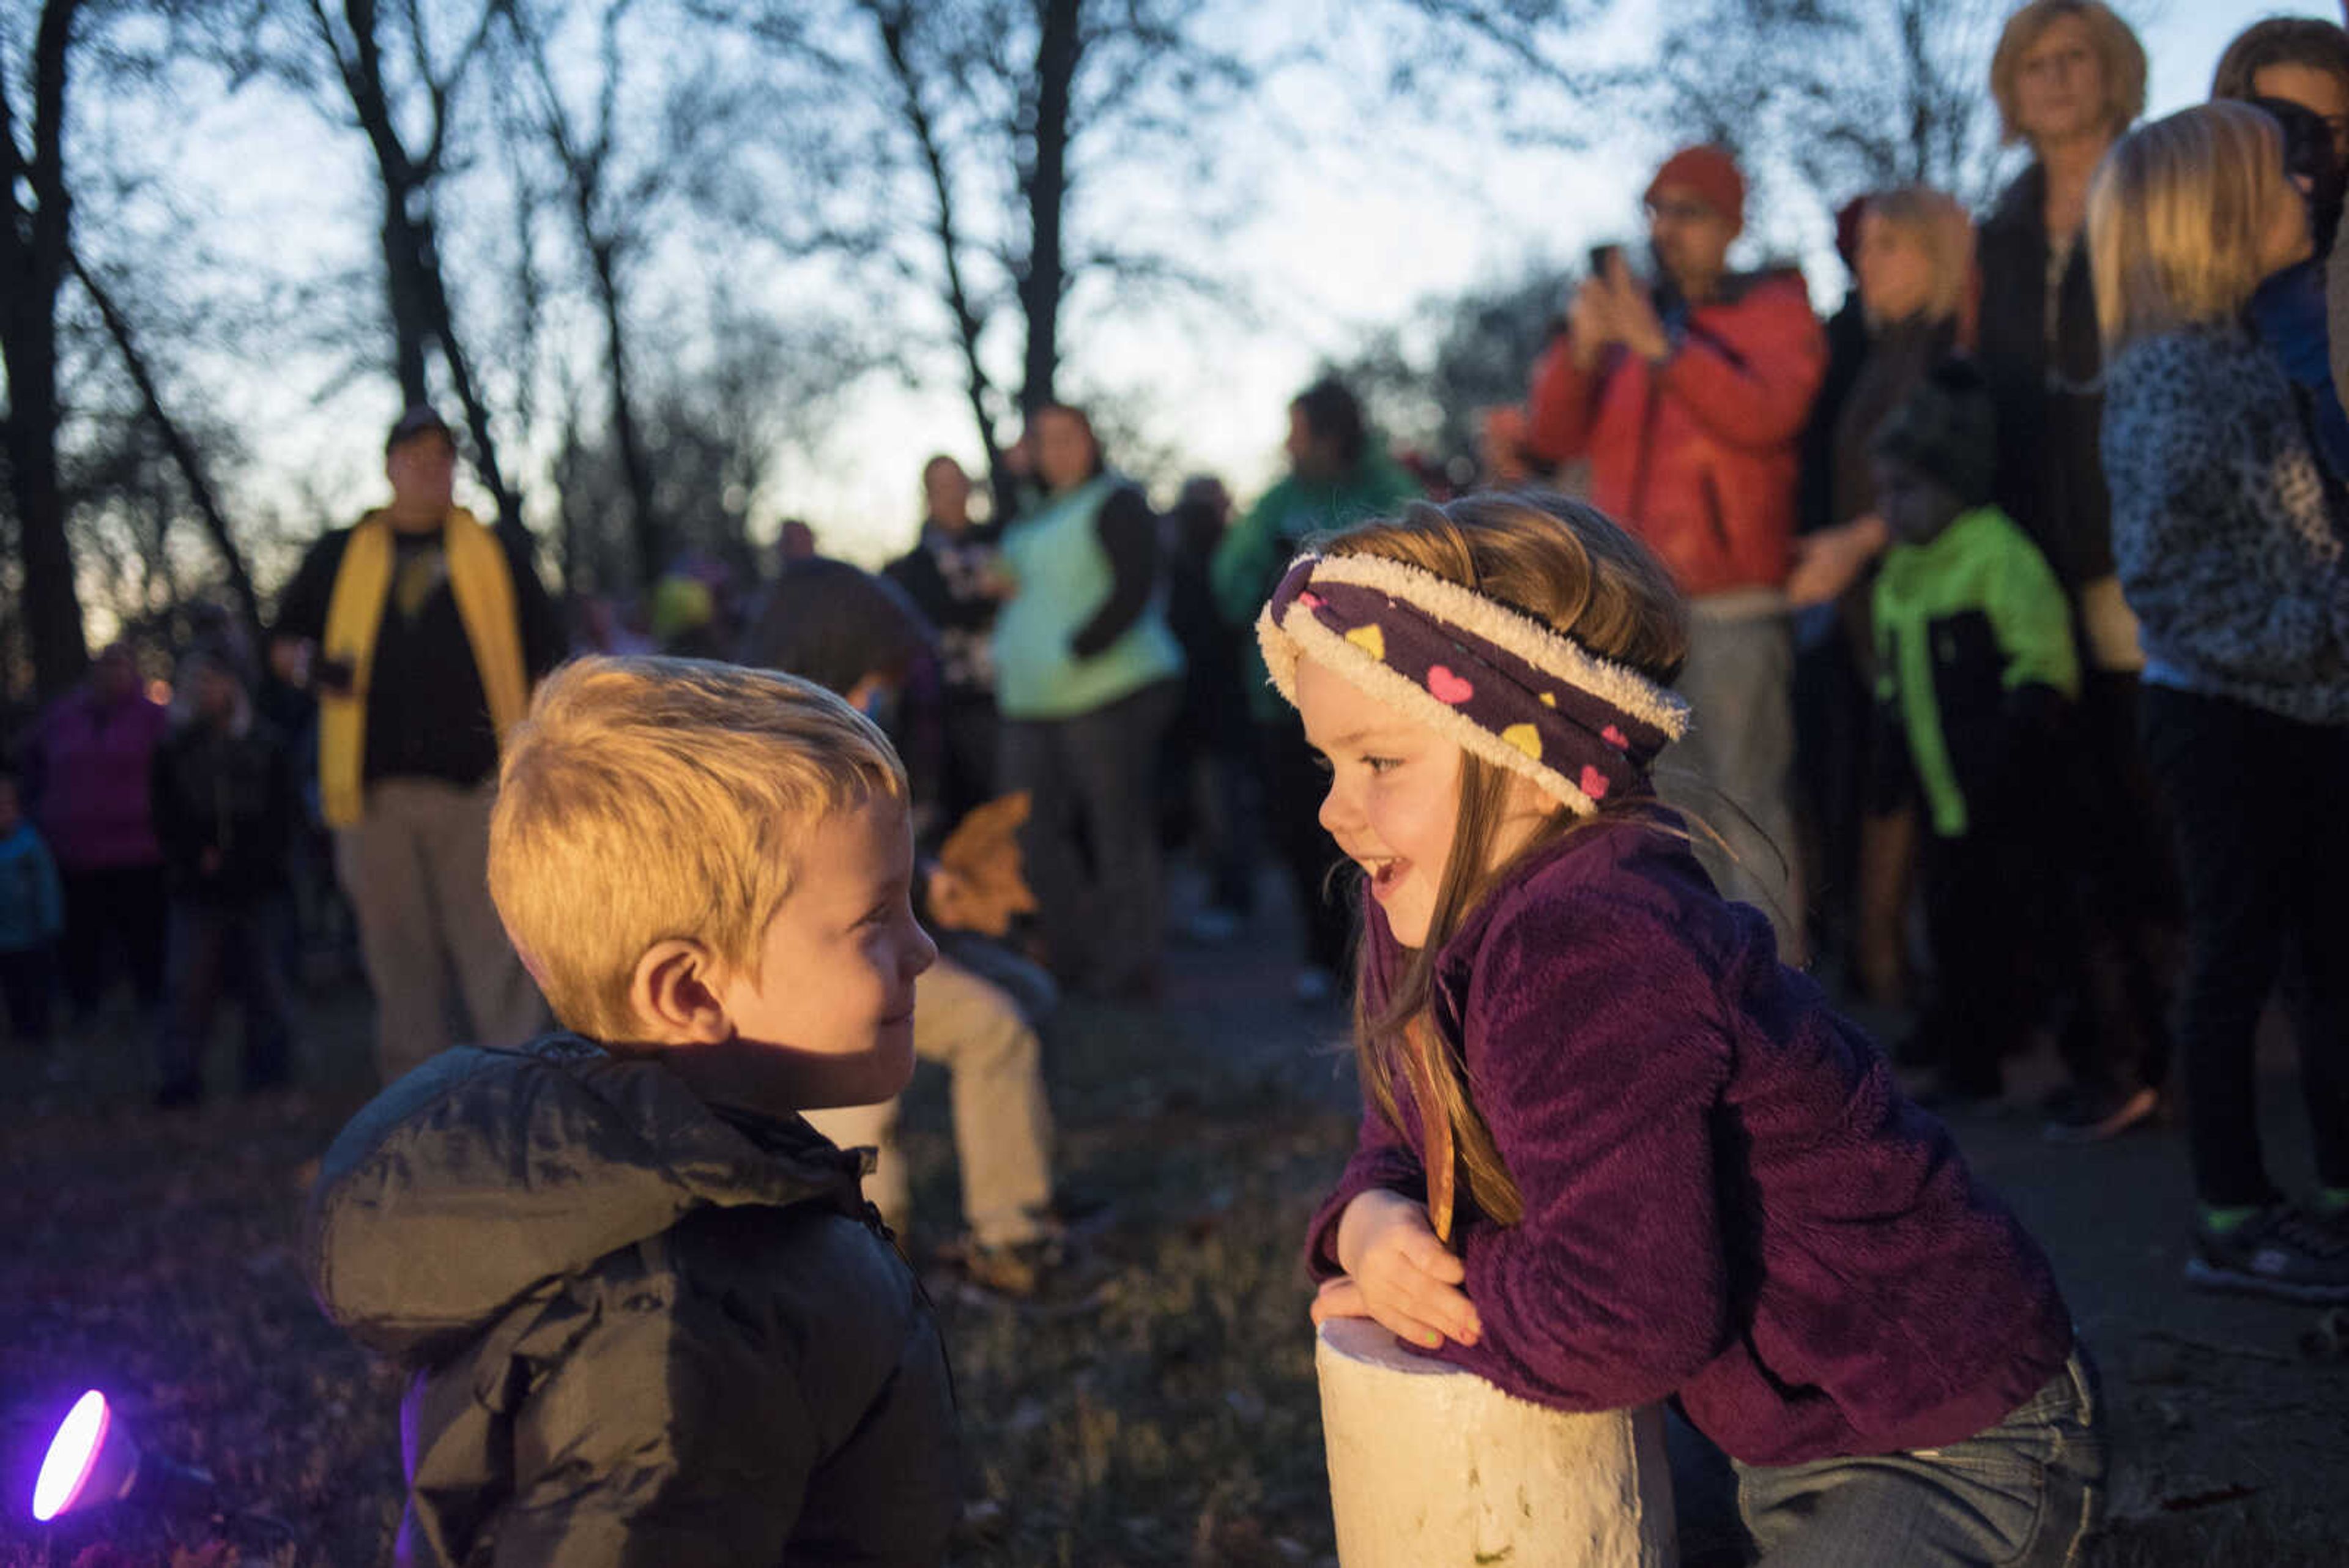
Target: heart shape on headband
(1448,688)
(1593,783)
(1616,738)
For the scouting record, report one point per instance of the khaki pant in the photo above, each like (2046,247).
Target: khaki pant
(1002,1126)
(416,870)
(1735,769)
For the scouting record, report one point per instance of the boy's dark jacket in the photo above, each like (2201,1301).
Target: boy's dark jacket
(641,1331)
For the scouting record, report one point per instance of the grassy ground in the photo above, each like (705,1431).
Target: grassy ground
(1176,1424)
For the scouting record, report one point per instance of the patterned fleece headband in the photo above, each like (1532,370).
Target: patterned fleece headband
(1492,680)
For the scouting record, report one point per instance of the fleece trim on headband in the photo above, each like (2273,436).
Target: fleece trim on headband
(1487,678)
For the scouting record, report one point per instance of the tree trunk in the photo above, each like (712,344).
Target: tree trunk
(183,450)
(404,295)
(1057,52)
(468,397)
(636,466)
(34,247)
(417,294)
(1431,1464)
(978,387)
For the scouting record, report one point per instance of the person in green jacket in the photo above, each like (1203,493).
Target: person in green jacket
(1975,667)
(1337,477)
(1087,678)
(645,1310)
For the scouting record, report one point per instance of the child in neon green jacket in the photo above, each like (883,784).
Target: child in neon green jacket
(1975,665)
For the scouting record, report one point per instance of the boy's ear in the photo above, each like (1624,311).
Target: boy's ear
(675,994)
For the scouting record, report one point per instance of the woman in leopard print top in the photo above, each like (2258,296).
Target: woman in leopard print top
(2232,558)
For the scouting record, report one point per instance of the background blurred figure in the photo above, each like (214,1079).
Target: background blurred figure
(977,1010)
(421,632)
(1210,749)
(1689,393)
(1337,477)
(1975,665)
(953,576)
(2300,59)
(2297,70)
(225,809)
(1087,679)
(2069,78)
(1912,256)
(2232,559)
(86,767)
(32,914)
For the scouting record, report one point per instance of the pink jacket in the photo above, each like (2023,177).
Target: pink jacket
(91,767)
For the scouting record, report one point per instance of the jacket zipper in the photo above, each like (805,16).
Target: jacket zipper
(1647,442)
(1712,492)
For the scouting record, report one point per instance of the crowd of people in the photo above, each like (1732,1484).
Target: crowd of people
(2017,582)
(1946,642)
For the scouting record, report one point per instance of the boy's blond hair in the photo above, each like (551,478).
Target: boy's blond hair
(643,799)
(2122,57)
(2177,215)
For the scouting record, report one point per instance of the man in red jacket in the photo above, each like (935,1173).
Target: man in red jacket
(1689,397)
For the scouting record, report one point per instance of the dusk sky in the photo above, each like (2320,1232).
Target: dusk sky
(1339,238)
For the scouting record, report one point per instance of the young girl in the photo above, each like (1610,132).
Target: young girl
(2232,553)
(1612,1151)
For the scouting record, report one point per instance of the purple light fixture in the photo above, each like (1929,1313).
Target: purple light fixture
(92,1462)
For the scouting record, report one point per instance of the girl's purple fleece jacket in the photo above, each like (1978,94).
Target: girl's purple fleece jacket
(1725,1197)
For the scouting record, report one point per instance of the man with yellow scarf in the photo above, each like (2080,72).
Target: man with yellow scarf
(420,631)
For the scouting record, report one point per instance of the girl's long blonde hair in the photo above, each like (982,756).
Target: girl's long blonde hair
(1568,566)
(2176,216)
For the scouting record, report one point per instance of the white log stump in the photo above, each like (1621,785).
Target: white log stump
(1432,1466)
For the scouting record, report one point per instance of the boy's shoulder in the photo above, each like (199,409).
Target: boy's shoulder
(484,1175)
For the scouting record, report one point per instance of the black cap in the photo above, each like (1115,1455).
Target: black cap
(415,422)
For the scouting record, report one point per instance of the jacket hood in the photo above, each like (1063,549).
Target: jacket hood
(486,1175)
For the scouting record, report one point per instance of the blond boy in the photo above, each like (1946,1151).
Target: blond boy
(648,1314)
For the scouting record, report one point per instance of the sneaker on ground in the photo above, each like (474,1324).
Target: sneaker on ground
(1042,1276)
(2278,1252)
(2095,1115)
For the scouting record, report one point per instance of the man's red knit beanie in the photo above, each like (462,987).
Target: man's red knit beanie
(1709,171)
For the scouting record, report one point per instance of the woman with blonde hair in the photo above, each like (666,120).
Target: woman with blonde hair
(1914,258)
(2233,558)
(2069,78)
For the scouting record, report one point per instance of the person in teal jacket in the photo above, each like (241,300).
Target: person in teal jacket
(1337,477)
(1086,680)
(1976,665)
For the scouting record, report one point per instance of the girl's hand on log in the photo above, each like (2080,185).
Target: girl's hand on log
(1408,1281)
(1340,1297)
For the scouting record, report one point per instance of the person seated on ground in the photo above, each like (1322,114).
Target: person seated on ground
(1974,667)
(646,1312)
(976,1010)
